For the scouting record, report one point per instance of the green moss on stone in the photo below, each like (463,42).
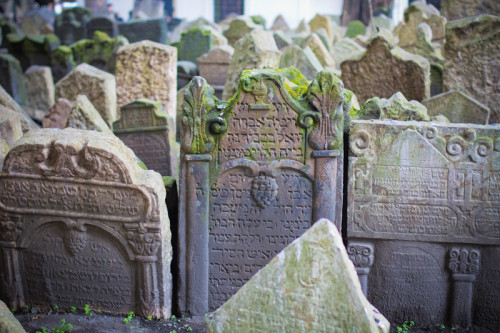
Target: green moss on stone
(355,28)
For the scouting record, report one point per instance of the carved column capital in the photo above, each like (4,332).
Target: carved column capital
(464,261)
(361,255)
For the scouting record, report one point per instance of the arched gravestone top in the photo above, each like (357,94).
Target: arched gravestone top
(83,224)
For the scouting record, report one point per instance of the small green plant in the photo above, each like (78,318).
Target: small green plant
(405,327)
(73,308)
(189,329)
(26,309)
(129,317)
(87,310)
(56,307)
(442,327)
(62,328)
(206,318)
(150,318)
(13,310)
(174,331)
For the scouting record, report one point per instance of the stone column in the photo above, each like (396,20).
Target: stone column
(463,264)
(361,255)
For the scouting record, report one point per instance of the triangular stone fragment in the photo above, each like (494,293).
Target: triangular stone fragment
(85,116)
(310,286)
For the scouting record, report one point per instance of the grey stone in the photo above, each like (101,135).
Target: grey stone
(84,116)
(381,22)
(12,78)
(280,24)
(322,22)
(32,49)
(71,24)
(303,27)
(7,101)
(10,126)
(151,8)
(344,49)
(303,59)
(154,30)
(57,116)
(239,27)
(103,24)
(320,51)
(455,10)
(197,41)
(310,286)
(40,87)
(38,21)
(185,72)
(9,323)
(281,39)
(94,208)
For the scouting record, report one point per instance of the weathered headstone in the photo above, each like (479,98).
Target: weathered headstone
(154,30)
(303,59)
(9,323)
(423,209)
(322,22)
(255,174)
(303,27)
(281,39)
(455,10)
(147,130)
(458,108)
(320,51)
(83,224)
(7,101)
(103,24)
(395,108)
(151,8)
(344,49)
(385,69)
(32,49)
(472,60)
(310,286)
(214,65)
(57,116)
(12,78)
(38,21)
(40,87)
(256,50)
(84,116)
(198,41)
(97,85)
(71,24)
(420,12)
(238,28)
(381,22)
(147,70)
(280,24)
(10,126)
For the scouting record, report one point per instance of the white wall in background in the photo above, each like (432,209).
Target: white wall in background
(193,9)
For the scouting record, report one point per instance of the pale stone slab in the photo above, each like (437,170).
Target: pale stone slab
(10,125)
(239,27)
(472,60)
(344,49)
(310,286)
(322,22)
(458,108)
(57,116)
(9,323)
(98,85)
(84,116)
(40,87)
(320,51)
(303,59)
(147,70)
(214,65)
(80,197)
(255,51)
(7,101)
(385,69)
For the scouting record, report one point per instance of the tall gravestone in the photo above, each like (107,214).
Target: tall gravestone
(146,129)
(422,224)
(40,87)
(197,41)
(81,224)
(238,28)
(255,174)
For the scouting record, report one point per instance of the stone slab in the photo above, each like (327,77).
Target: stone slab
(154,30)
(40,87)
(84,116)
(214,65)
(57,116)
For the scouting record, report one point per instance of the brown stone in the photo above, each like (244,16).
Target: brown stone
(385,69)
(57,115)
(82,224)
(455,10)
(85,116)
(40,87)
(213,65)
(322,22)
(10,125)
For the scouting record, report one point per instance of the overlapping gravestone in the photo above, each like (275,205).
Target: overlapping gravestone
(344,49)
(472,60)
(455,10)
(8,102)
(81,224)
(103,24)
(422,224)
(40,88)
(84,116)
(320,51)
(385,69)
(322,22)
(71,24)
(255,174)
(12,78)
(303,59)
(148,131)
(310,286)
(280,24)
(32,49)
(57,116)
(198,41)
(239,27)
(153,29)
(214,65)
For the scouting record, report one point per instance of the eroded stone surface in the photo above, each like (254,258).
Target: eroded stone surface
(385,69)
(455,10)
(395,108)
(10,125)
(214,65)
(472,60)
(345,49)
(57,115)
(9,323)
(98,85)
(147,70)
(303,59)
(322,22)
(40,87)
(239,27)
(86,223)
(12,78)
(7,101)
(85,116)
(458,108)
(310,286)
(320,51)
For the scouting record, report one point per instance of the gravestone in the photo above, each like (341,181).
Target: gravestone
(97,85)
(458,108)
(256,50)
(420,12)
(322,22)
(146,129)
(345,48)
(280,24)
(32,49)
(154,30)
(40,87)
(10,126)
(147,70)
(395,108)
(472,60)
(7,101)
(258,19)
(310,286)
(9,323)
(178,113)
(71,24)
(82,223)
(103,24)
(255,174)
(384,69)
(455,10)
(281,39)
(84,116)
(320,51)
(303,27)
(151,8)
(186,70)
(198,41)
(12,78)
(423,205)
(38,21)
(214,65)
(303,59)
(238,28)
(57,116)
(381,22)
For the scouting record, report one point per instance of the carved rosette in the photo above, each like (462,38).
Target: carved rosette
(325,94)
(464,261)
(264,190)
(361,254)
(200,121)
(10,226)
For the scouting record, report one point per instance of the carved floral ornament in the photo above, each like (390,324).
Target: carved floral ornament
(464,260)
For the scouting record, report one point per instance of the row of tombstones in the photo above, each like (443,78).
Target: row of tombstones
(82,223)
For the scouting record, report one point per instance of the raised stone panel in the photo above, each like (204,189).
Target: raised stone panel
(146,129)
(81,223)
(254,176)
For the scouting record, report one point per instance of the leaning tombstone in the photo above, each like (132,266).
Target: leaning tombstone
(103,24)
(198,41)
(99,86)
(40,87)
(281,39)
(345,48)
(472,59)
(310,286)
(154,30)
(303,59)
(214,65)
(255,174)
(147,70)
(86,226)
(322,22)
(146,129)
(422,224)
(84,116)
(384,69)
(458,108)
(12,78)
(320,51)
(57,116)
(238,28)
(10,126)
(7,101)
